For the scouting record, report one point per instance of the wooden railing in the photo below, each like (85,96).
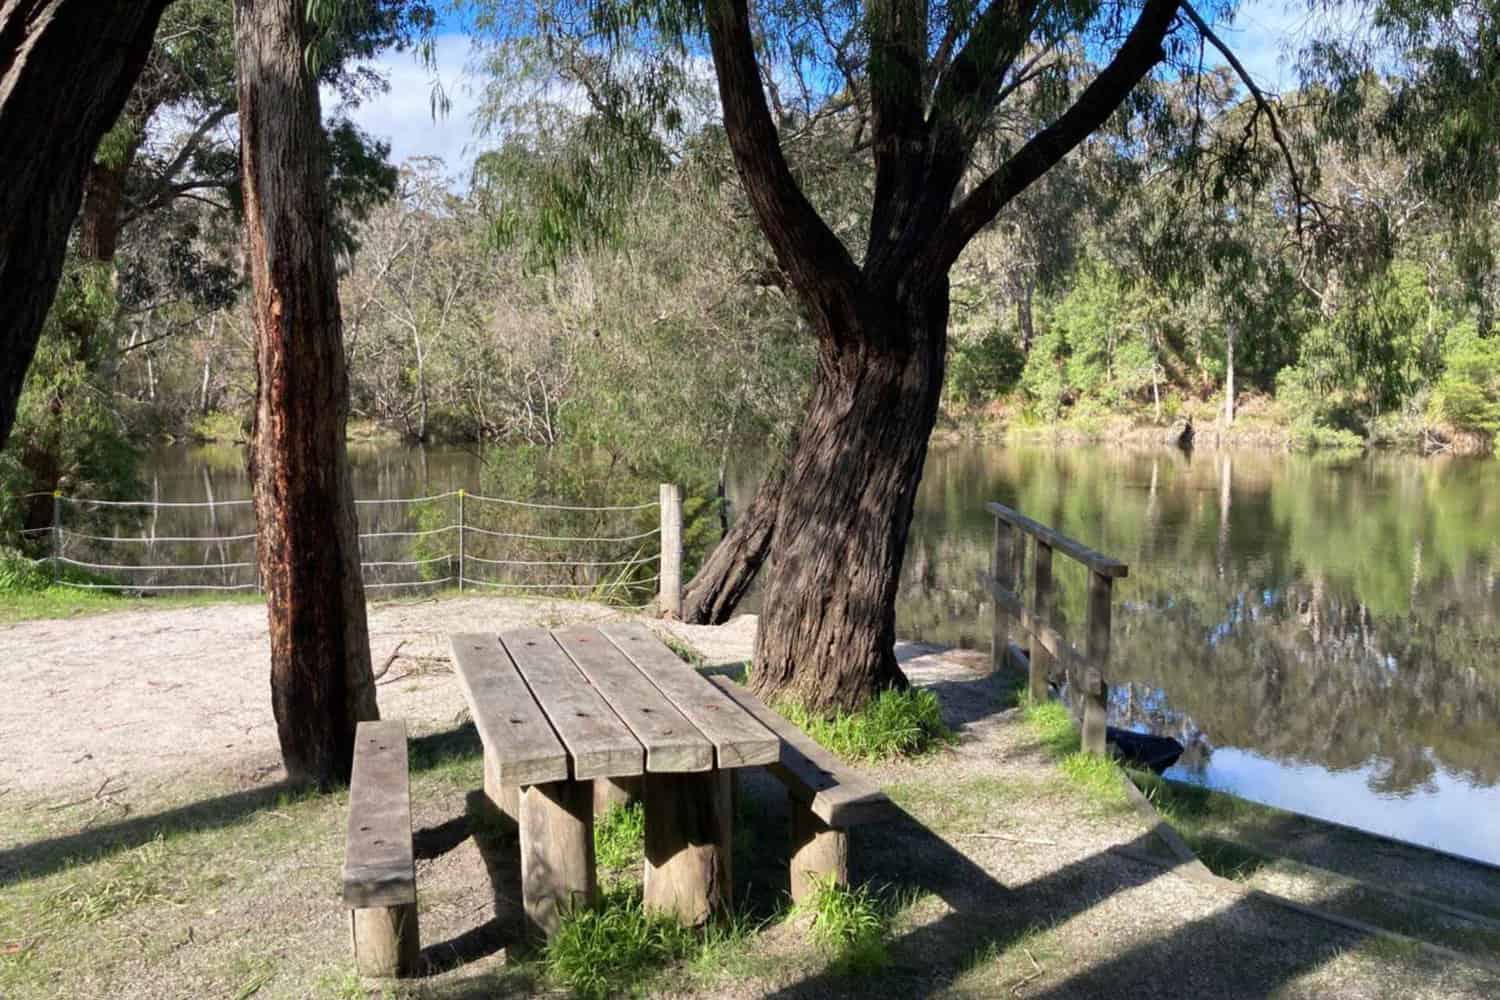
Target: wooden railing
(1005,582)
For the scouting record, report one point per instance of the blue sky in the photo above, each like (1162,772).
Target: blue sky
(1259,35)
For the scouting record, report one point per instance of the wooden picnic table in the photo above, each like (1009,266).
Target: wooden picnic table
(559,709)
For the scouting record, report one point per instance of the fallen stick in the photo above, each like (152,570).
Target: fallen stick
(389,660)
(1008,837)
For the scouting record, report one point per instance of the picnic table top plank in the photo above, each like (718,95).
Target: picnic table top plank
(671,741)
(599,744)
(738,739)
(837,795)
(379,867)
(515,732)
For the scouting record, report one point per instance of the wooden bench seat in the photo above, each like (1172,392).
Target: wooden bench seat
(380,880)
(827,797)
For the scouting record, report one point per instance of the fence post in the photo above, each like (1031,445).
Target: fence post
(57,541)
(460,541)
(1002,568)
(670,597)
(1041,659)
(1095,689)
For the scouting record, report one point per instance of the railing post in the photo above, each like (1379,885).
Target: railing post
(57,540)
(670,597)
(461,541)
(1095,693)
(1041,659)
(1002,568)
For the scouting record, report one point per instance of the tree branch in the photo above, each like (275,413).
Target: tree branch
(817,263)
(1263,105)
(1140,52)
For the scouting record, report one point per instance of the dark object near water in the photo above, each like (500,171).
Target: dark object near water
(1181,434)
(1144,750)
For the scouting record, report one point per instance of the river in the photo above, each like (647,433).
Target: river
(1323,635)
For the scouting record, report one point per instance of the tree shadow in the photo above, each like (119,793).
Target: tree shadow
(45,857)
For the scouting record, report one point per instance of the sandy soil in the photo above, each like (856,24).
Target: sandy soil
(142,696)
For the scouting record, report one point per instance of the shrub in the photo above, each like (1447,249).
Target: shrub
(1468,394)
(985,368)
(220,426)
(896,724)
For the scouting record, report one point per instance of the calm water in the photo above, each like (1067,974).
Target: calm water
(1322,636)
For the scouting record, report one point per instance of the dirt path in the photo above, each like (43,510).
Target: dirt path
(142,697)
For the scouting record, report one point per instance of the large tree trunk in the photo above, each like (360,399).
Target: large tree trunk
(66,68)
(726,575)
(308,538)
(828,625)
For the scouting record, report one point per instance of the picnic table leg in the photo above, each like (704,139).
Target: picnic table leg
(819,853)
(689,838)
(557,853)
(611,792)
(506,798)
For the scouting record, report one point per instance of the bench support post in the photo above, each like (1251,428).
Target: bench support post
(557,853)
(819,853)
(689,840)
(505,798)
(386,941)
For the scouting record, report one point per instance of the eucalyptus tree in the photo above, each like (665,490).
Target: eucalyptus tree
(66,69)
(307,536)
(925,89)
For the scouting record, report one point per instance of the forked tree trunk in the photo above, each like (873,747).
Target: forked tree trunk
(307,535)
(66,68)
(828,625)
(726,575)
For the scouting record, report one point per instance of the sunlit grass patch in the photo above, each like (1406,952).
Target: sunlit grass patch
(896,724)
(1053,725)
(620,837)
(849,925)
(598,952)
(1100,777)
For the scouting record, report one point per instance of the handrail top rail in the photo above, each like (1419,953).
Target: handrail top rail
(1095,561)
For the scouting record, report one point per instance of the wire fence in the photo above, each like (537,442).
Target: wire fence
(606,552)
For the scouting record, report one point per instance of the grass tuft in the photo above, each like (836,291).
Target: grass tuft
(134,878)
(896,724)
(620,837)
(850,925)
(1054,726)
(615,948)
(1100,777)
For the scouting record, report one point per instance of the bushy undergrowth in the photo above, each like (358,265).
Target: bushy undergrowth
(896,724)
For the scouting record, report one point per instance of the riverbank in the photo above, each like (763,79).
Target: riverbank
(194,872)
(1260,424)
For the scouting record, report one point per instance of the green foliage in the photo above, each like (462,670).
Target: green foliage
(1054,726)
(597,953)
(985,368)
(895,724)
(220,426)
(849,924)
(620,836)
(1468,394)
(20,574)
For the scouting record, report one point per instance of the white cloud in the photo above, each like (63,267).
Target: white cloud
(403,115)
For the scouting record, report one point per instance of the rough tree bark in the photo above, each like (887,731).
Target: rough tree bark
(66,68)
(827,627)
(726,575)
(307,535)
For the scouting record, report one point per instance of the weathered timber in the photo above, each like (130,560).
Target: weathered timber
(1097,562)
(671,550)
(515,732)
(599,744)
(689,841)
(611,793)
(380,880)
(738,740)
(558,872)
(1040,666)
(820,853)
(506,798)
(385,939)
(671,742)
(1001,565)
(835,794)
(1095,697)
(1041,631)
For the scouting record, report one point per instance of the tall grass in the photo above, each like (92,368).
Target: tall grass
(896,724)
